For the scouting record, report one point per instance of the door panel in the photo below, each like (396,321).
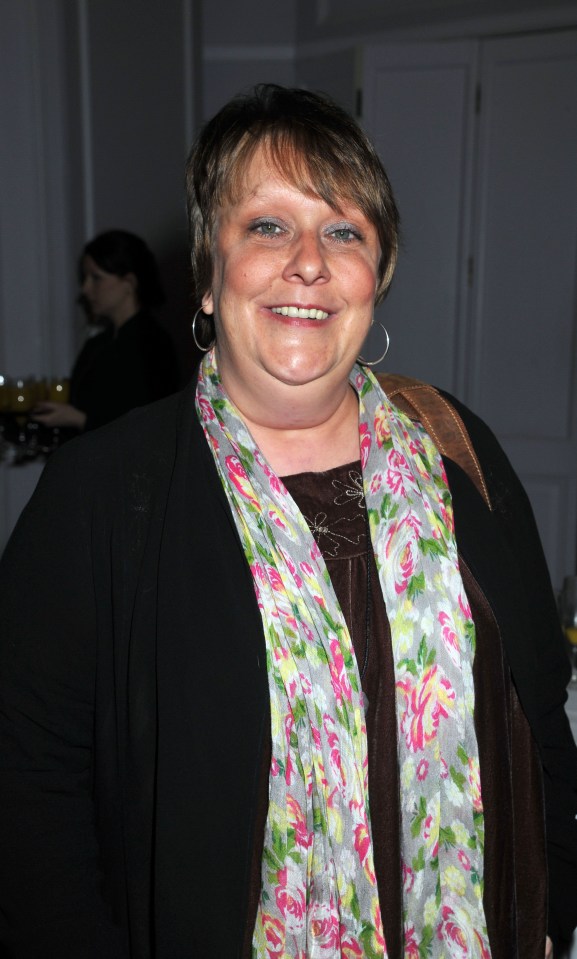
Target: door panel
(484,302)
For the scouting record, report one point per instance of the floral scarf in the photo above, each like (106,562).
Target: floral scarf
(319,893)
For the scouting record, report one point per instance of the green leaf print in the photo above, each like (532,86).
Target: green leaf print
(462,754)
(419,817)
(418,863)
(408,665)
(447,837)
(299,710)
(426,943)
(355,907)
(319,823)
(368,940)
(458,778)
(432,547)
(471,635)
(416,585)
(278,844)
(272,861)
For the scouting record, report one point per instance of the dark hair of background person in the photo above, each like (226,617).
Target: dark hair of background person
(312,141)
(121,252)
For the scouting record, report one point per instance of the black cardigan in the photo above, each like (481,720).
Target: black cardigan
(134,699)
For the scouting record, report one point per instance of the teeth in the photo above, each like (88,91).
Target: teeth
(301,314)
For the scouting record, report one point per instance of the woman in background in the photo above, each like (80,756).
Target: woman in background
(132,361)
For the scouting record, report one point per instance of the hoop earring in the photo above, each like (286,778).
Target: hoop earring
(375,362)
(203,349)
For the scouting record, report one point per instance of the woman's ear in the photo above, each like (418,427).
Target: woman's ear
(208,303)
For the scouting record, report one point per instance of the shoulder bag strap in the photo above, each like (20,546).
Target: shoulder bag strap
(424,403)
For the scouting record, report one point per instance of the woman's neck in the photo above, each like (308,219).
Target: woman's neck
(309,441)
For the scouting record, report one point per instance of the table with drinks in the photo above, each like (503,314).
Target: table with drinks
(21,438)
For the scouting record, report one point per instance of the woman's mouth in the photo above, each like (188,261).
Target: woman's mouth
(300,313)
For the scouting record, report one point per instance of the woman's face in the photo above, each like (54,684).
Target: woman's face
(293,285)
(108,295)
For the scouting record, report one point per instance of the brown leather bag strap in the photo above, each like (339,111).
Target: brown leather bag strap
(442,422)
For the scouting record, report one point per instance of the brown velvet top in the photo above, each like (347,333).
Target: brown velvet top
(515,870)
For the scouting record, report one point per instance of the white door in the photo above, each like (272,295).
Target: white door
(524,310)
(480,140)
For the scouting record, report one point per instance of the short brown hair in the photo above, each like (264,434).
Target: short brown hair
(312,141)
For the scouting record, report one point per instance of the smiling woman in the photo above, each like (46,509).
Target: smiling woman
(291,680)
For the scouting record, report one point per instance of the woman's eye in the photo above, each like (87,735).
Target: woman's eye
(267,228)
(344,234)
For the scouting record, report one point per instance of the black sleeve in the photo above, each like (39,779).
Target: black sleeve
(50,891)
(543,693)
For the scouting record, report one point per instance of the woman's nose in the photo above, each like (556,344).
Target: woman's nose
(307,262)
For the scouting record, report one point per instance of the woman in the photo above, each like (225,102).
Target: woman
(132,361)
(190,749)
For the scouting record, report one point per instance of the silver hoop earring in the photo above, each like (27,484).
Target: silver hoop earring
(381,358)
(203,349)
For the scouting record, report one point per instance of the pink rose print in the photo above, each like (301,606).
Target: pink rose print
(475,784)
(402,550)
(411,944)
(464,606)
(447,517)
(292,569)
(206,410)
(422,770)
(381,425)
(464,860)
(339,679)
(274,579)
(324,925)
(274,767)
(427,702)
(350,947)
(399,474)
(450,637)
(291,900)
(237,476)
(297,822)
(330,731)
(364,443)
(258,579)
(274,935)
(430,830)
(274,481)
(457,931)
(376,483)
(408,878)
(416,446)
(378,934)
(276,517)
(362,845)
(339,772)
(315,552)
